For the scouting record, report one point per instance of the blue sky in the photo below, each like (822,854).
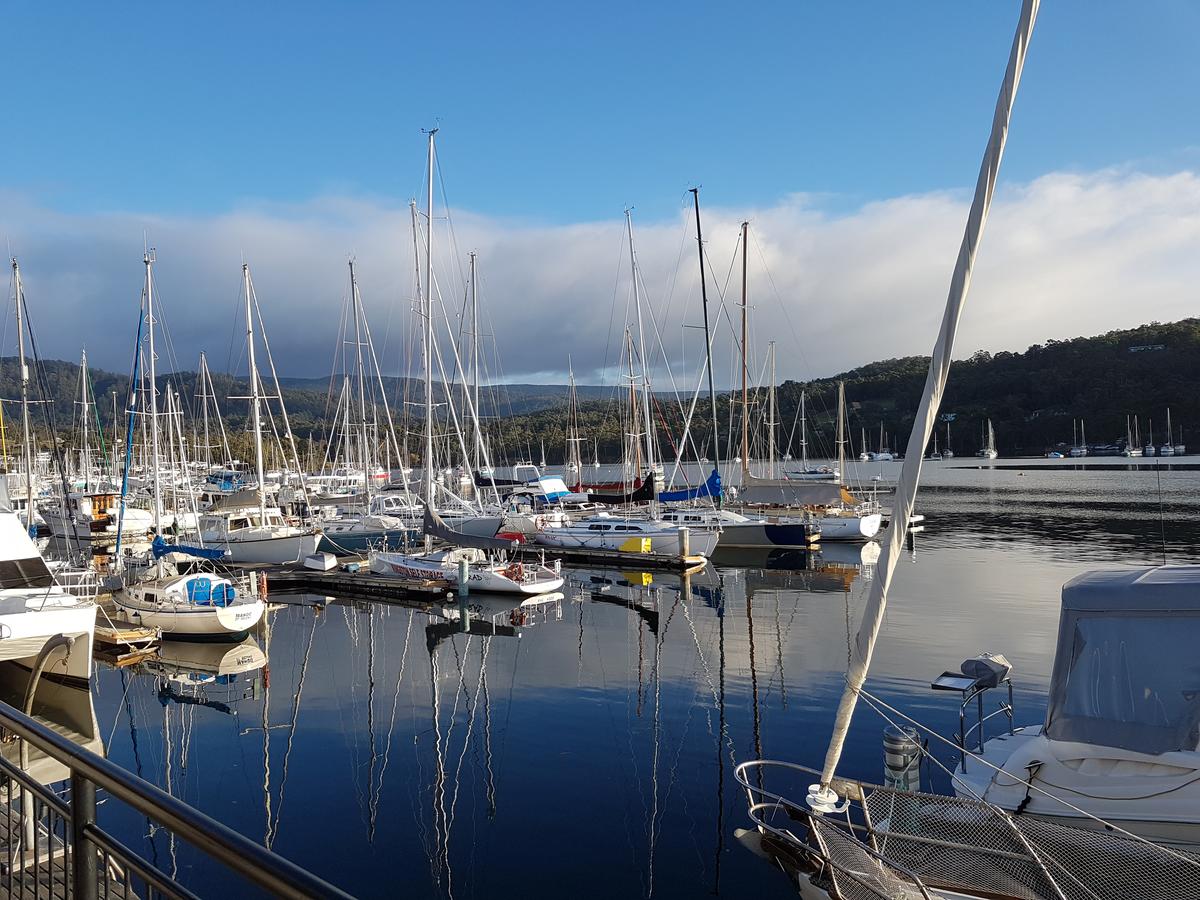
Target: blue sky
(565,112)
(850,134)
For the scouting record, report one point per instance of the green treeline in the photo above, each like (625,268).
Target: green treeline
(1032,399)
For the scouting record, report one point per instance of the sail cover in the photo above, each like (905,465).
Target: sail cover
(435,526)
(161,548)
(643,494)
(795,493)
(710,488)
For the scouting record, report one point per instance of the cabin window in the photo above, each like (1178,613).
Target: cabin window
(1133,681)
(30,572)
(239,523)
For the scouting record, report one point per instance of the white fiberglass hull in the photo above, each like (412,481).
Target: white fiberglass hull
(189,620)
(267,549)
(24,632)
(850,528)
(513,578)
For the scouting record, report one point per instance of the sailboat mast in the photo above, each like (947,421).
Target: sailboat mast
(475,363)
(148,260)
(771,415)
(25,431)
(364,437)
(822,797)
(712,391)
(803,434)
(255,412)
(204,408)
(427,342)
(745,392)
(647,413)
(85,461)
(841,428)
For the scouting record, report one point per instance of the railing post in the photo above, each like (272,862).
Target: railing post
(83,851)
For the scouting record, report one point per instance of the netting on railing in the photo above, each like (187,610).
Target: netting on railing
(906,844)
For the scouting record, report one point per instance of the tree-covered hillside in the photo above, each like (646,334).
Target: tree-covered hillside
(1032,398)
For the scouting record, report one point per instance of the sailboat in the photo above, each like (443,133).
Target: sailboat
(258,533)
(988,450)
(947,453)
(1079,445)
(366,516)
(864,455)
(805,472)
(851,839)
(935,455)
(151,591)
(1133,443)
(1168,448)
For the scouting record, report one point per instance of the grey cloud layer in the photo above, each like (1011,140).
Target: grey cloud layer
(1065,255)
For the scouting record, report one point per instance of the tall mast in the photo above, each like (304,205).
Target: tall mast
(364,438)
(771,415)
(712,391)
(85,461)
(255,412)
(204,408)
(841,429)
(25,431)
(637,302)
(745,394)
(148,259)
(822,797)
(427,342)
(803,435)
(475,363)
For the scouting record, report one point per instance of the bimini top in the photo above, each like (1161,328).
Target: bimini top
(1126,672)
(1153,589)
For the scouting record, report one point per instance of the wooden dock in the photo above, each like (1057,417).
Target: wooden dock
(360,585)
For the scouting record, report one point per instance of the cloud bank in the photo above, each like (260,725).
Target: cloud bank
(1065,255)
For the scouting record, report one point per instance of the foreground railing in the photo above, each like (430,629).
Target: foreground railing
(57,848)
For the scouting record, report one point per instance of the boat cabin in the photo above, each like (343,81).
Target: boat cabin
(1126,672)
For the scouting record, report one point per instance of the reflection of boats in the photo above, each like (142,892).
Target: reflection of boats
(194,661)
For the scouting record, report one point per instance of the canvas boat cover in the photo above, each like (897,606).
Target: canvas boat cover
(435,526)
(780,492)
(710,488)
(1126,672)
(644,494)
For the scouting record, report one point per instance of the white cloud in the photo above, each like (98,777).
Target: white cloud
(1065,255)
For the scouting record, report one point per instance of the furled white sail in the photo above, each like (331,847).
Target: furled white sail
(822,797)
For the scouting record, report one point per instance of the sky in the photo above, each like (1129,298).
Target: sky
(848,134)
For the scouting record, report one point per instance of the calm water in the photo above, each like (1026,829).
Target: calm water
(587,746)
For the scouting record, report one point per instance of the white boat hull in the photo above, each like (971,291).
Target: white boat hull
(267,550)
(850,528)
(513,578)
(194,621)
(24,634)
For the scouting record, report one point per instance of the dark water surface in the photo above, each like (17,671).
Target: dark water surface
(585,747)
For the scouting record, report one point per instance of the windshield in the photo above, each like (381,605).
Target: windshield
(1131,681)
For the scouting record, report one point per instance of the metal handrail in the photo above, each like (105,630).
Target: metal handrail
(254,862)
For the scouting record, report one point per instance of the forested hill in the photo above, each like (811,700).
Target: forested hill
(1032,397)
